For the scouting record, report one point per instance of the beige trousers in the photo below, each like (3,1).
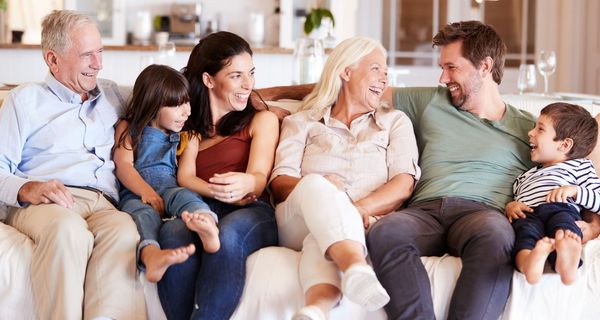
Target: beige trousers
(83,263)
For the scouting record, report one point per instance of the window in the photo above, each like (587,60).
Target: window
(409,25)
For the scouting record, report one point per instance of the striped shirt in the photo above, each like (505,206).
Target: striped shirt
(533,186)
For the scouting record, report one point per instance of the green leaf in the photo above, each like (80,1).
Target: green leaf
(326,13)
(315,17)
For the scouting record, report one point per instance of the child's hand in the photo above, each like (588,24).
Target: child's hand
(561,194)
(156,201)
(516,210)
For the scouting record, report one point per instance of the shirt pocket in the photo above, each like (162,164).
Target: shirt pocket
(324,142)
(375,143)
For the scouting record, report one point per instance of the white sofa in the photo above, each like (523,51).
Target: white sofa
(273,291)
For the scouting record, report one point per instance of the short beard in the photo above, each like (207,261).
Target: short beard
(474,83)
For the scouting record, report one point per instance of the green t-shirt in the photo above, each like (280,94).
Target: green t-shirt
(462,155)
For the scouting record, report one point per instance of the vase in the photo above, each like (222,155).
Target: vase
(308,60)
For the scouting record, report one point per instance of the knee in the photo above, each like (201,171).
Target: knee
(231,241)
(174,233)
(495,242)
(68,231)
(389,233)
(124,229)
(314,182)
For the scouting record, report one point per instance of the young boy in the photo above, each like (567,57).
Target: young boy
(549,197)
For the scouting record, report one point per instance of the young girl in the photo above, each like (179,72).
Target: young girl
(144,155)
(549,197)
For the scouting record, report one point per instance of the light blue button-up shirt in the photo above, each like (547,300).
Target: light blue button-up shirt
(49,133)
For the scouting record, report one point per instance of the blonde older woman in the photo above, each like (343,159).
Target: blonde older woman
(342,160)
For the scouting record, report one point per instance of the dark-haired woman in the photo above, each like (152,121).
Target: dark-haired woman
(227,160)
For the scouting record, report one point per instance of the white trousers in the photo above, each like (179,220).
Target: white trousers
(313,217)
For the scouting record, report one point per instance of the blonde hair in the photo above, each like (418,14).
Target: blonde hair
(345,55)
(57,26)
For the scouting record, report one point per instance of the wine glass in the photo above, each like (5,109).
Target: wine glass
(546,65)
(527,78)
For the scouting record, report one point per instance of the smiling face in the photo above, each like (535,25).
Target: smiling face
(78,66)
(230,88)
(367,80)
(460,76)
(172,118)
(544,150)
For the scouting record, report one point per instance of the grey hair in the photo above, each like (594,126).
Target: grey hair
(56,28)
(345,55)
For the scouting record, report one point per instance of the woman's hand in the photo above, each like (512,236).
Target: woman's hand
(561,194)
(155,200)
(232,187)
(516,210)
(364,214)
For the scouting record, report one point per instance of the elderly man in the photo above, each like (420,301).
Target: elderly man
(56,174)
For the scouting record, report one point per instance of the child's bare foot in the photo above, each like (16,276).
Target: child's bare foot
(533,266)
(568,253)
(206,227)
(158,260)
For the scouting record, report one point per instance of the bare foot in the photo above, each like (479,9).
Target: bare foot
(158,260)
(568,253)
(206,227)
(533,263)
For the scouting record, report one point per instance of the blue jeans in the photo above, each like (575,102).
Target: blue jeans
(209,286)
(148,221)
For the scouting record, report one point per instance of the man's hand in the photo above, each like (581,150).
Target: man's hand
(561,194)
(516,210)
(590,226)
(52,191)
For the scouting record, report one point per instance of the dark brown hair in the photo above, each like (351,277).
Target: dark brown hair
(573,121)
(211,55)
(157,86)
(478,42)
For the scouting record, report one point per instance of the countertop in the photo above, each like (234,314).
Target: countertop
(184,48)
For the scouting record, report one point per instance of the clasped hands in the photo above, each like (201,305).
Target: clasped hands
(233,187)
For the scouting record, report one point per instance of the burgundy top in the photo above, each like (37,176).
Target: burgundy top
(229,155)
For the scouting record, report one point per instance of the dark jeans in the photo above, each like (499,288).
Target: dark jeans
(209,286)
(479,234)
(545,220)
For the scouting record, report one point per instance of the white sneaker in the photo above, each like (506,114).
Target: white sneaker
(360,285)
(309,313)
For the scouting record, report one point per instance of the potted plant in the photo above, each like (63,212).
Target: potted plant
(315,17)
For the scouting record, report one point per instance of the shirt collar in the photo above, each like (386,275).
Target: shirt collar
(67,95)
(325,116)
